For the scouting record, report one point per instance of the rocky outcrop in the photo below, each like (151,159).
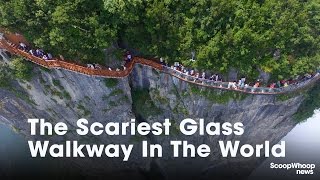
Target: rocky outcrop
(150,96)
(63,96)
(265,118)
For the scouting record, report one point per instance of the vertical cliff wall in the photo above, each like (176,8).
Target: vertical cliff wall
(149,96)
(63,96)
(265,117)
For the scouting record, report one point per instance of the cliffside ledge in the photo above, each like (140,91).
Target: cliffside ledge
(148,95)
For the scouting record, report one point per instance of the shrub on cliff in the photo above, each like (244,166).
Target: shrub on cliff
(21,69)
(143,104)
(110,83)
(5,75)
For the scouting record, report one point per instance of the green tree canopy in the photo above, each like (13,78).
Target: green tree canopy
(280,37)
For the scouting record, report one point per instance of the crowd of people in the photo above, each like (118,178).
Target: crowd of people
(98,66)
(48,56)
(196,75)
(35,52)
(240,84)
(127,58)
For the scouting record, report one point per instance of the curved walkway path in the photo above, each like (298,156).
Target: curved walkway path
(12,47)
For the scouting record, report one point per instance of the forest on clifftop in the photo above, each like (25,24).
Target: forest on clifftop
(278,37)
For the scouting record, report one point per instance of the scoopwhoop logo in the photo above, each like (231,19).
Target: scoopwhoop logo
(303,169)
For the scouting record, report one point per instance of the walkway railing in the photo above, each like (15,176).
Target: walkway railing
(106,73)
(248,89)
(72,66)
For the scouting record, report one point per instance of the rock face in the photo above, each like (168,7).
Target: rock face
(150,96)
(264,117)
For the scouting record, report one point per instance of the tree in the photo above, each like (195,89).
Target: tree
(223,34)
(21,69)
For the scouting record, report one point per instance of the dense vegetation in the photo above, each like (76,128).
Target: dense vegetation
(281,37)
(306,109)
(17,69)
(5,75)
(143,105)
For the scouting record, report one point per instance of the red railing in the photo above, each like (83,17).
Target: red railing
(55,63)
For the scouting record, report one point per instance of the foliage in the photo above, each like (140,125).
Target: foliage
(116,92)
(66,95)
(287,96)
(143,104)
(57,83)
(23,95)
(85,112)
(280,37)
(218,96)
(110,83)
(309,104)
(22,69)
(158,98)
(5,76)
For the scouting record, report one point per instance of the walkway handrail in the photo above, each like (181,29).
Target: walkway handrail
(59,64)
(106,73)
(248,89)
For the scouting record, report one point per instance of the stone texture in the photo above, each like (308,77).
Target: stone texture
(264,118)
(61,95)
